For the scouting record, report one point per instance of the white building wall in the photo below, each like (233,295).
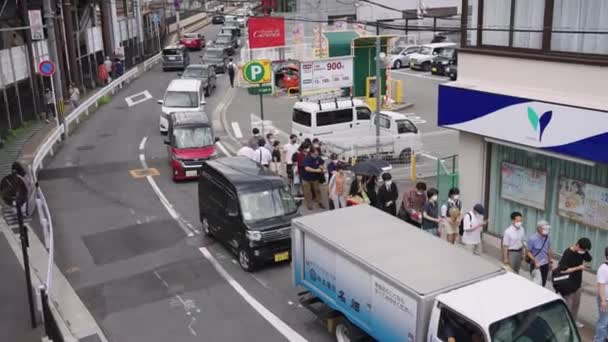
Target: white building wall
(471,169)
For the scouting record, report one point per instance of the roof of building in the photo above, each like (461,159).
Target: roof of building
(399,251)
(245,174)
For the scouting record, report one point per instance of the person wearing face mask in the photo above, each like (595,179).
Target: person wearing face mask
(572,265)
(452,202)
(430,214)
(289,150)
(539,253)
(513,243)
(388,195)
(472,225)
(337,188)
(412,205)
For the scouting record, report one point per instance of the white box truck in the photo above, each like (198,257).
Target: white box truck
(369,274)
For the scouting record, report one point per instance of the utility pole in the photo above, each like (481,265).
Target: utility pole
(69,39)
(49,19)
(35,81)
(378,88)
(177,22)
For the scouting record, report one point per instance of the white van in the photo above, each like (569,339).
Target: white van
(182,95)
(322,118)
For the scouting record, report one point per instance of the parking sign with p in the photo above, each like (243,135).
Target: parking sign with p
(257,71)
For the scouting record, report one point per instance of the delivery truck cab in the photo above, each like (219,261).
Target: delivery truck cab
(361,278)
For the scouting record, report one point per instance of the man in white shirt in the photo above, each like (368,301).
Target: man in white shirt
(262,155)
(472,225)
(246,150)
(601,328)
(512,242)
(289,150)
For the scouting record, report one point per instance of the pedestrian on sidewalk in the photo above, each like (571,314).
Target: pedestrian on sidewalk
(102,75)
(289,150)
(275,165)
(262,154)
(269,141)
(358,192)
(430,214)
(299,161)
(601,328)
(332,166)
(539,253)
(413,204)
(337,188)
(572,264)
(108,65)
(513,242)
(74,96)
(472,225)
(450,225)
(246,150)
(50,105)
(231,72)
(452,202)
(388,195)
(370,188)
(313,169)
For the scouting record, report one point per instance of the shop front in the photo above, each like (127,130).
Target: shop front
(546,160)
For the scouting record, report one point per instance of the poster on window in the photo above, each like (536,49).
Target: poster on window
(583,202)
(523,185)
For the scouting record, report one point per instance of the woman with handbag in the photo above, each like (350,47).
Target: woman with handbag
(357,193)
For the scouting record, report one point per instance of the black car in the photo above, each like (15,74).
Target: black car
(203,72)
(227,41)
(446,57)
(248,208)
(218,19)
(217,57)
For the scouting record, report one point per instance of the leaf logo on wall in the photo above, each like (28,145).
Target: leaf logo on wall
(539,124)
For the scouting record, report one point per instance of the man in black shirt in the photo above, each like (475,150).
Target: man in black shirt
(572,263)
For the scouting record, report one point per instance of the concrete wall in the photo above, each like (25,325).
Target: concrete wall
(571,84)
(471,169)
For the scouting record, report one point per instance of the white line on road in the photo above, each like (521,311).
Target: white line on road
(130,102)
(237,130)
(275,321)
(142,144)
(429,77)
(224,150)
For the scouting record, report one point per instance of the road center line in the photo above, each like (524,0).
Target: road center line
(275,321)
(142,144)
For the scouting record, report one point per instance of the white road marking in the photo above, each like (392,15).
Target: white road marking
(142,144)
(188,305)
(256,121)
(224,150)
(237,130)
(430,77)
(146,96)
(275,321)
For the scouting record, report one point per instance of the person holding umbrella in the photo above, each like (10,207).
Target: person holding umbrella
(388,195)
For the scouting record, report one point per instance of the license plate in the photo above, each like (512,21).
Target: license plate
(191,173)
(281,256)
(171,58)
(434,69)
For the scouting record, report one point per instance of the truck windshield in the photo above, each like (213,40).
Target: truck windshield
(181,99)
(266,204)
(192,137)
(550,322)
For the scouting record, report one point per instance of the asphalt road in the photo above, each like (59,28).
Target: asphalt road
(136,267)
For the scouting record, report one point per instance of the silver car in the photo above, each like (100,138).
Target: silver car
(400,56)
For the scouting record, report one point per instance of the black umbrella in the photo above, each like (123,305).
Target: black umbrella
(371,167)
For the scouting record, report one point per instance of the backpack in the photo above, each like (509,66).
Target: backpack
(461,225)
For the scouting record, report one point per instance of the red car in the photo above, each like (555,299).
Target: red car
(193,41)
(190,142)
(288,76)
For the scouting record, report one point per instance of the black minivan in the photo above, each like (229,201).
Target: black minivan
(248,208)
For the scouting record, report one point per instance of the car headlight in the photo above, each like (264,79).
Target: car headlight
(253,235)
(445,63)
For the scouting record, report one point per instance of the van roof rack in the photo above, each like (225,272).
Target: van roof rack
(327,98)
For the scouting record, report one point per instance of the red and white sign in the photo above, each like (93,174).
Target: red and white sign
(266,32)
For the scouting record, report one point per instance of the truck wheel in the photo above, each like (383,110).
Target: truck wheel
(406,156)
(206,229)
(426,66)
(246,260)
(397,64)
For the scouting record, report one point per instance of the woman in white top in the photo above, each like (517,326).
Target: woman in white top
(472,225)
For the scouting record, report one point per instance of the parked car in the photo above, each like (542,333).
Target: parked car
(445,58)
(189,141)
(217,57)
(193,41)
(203,72)
(248,208)
(218,19)
(175,57)
(400,56)
(287,76)
(182,95)
(228,41)
(423,59)
(452,71)
(236,31)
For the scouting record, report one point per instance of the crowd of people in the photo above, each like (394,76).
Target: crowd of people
(305,171)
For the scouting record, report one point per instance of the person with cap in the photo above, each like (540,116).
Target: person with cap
(472,224)
(388,195)
(539,253)
(513,243)
(601,328)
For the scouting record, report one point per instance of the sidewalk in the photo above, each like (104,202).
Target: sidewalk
(15,322)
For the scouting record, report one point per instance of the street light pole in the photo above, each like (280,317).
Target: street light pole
(378,89)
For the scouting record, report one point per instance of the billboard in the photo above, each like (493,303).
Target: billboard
(266,32)
(329,73)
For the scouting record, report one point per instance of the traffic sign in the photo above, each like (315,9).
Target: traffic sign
(46,68)
(261,90)
(257,71)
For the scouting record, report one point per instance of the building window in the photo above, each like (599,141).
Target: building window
(528,15)
(496,22)
(580,15)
